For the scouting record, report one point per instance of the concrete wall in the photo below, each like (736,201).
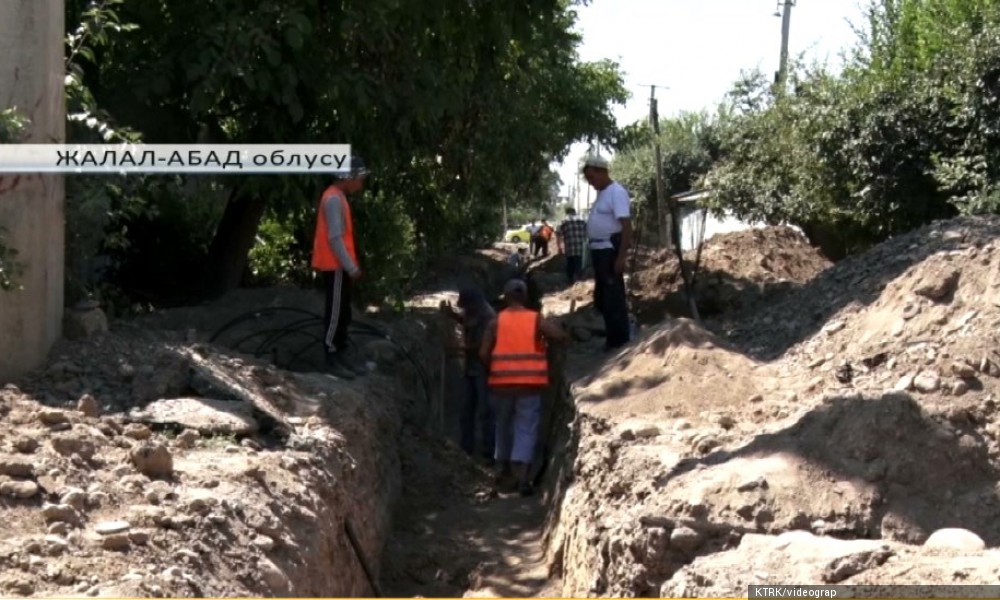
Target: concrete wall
(31,205)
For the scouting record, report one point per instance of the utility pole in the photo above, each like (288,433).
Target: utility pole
(654,123)
(662,216)
(786,20)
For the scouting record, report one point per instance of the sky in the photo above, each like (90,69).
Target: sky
(697,48)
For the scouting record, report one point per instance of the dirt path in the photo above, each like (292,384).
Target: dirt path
(454,536)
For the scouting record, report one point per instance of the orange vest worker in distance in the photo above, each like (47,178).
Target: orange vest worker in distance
(323,258)
(335,257)
(519,358)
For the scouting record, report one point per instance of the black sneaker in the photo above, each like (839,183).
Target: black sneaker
(336,367)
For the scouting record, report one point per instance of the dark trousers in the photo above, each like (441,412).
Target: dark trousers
(574,265)
(476,401)
(609,297)
(541,245)
(338,310)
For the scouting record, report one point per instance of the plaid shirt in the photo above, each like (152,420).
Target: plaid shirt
(573,232)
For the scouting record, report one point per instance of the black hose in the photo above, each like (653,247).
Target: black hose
(256,314)
(358,327)
(296,327)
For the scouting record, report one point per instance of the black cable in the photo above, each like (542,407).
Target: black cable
(257,314)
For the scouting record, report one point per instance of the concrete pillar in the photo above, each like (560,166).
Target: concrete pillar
(31,205)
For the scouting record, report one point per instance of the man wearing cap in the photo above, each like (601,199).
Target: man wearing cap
(609,233)
(334,256)
(514,348)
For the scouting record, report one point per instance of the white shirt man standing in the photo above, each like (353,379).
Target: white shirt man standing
(609,233)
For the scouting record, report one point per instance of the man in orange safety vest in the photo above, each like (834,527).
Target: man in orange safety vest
(334,255)
(514,348)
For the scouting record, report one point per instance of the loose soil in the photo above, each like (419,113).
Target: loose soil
(825,424)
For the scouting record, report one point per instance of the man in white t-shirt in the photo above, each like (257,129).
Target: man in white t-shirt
(609,233)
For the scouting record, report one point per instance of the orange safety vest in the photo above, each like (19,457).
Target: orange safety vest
(518,358)
(323,258)
(546,232)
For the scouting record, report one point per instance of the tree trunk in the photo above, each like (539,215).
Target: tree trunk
(227,255)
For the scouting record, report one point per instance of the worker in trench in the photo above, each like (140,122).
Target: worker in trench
(474,314)
(514,350)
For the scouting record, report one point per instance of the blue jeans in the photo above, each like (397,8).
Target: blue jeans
(475,397)
(518,420)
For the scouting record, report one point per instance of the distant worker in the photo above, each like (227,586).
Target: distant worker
(533,230)
(334,255)
(475,316)
(609,233)
(572,240)
(518,259)
(514,348)
(541,239)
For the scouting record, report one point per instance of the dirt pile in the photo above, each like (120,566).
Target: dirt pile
(737,270)
(861,406)
(140,464)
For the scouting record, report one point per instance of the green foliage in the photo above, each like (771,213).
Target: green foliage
(457,107)
(905,135)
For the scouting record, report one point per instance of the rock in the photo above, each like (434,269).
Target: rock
(16,466)
(814,383)
(833,327)
(88,406)
(927,382)
(627,435)
(97,499)
(647,431)
(112,527)
(755,398)
(137,431)
(726,421)
(204,415)
(188,438)
(21,587)
(159,491)
(264,542)
(963,370)
(59,528)
(851,564)
(55,544)
(74,497)
(686,539)
(955,539)
(22,490)
(251,444)
(61,512)
(116,541)
(905,383)
(937,286)
(753,484)
(139,538)
(273,576)
(26,445)
(232,449)
(69,444)
(959,388)
(51,416)
(81,324)
(153,460)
